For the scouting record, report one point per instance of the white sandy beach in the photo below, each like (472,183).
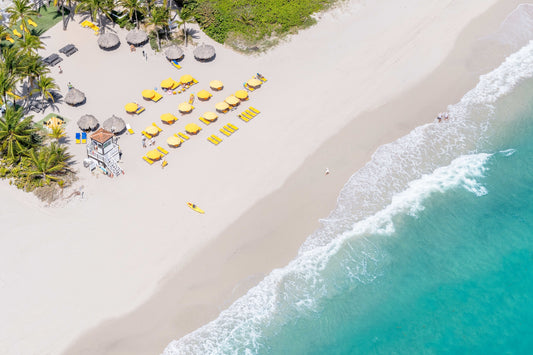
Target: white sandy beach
(67,269)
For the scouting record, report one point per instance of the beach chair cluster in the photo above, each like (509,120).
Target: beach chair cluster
(248,114)
(227,130)
(149,136)
(81,137)
(184,87)
(92,26)
(163,153)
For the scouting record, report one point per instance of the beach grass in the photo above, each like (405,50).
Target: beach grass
(247,25)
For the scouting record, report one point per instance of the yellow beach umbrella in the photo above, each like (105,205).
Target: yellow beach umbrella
(154,154)
(204,94)
(151,130)
(241,94)
(185,107)
(192,128)
(167,83)
(254,82)
(131,107)
(216,85)
(148,94)
(210,116)
(185,79)
(173,141)
(168,118)
(232,100)
(222,106)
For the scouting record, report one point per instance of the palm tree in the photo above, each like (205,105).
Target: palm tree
(57,133)
(33,68)
(7,83)
(159,18)
(49,163)
(17,133)
(21,10)
(45,85)
(185,17)
(133,7)
(96,8)
(30,44)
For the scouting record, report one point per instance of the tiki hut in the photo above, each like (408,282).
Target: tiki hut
(204,53)
(174,53)
(114,124)
(108,41)
(88,123)
(136,37)
(74,97)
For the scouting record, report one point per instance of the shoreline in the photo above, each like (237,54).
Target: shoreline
(229,265)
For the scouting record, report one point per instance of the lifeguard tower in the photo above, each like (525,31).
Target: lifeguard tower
(103,149)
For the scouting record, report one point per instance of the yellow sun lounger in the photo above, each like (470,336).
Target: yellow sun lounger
(139,110)
(162,150)
(17,33)
(32,23)
(157,97)
(181,139)
(248,87)
(263,79)
(213,140)
(227,134)
(194,81)
(128,127)
(183,135)
(146,135)
(254,109)
(216,138)
(164,163)
(247,115)
(243,118)
(228,128)
(250,113)
(148,160)
(205,121)
(159,129)
(232,126)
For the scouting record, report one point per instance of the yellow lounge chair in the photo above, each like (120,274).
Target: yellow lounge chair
(183,135)
(263,79)
(248,87)
(227,134)
(216,138)
(243,118)
(85,23)
(232,126)
(228,128)
(159,129)
(254,109)
(250,113)
(157,97)
(32,23)
(17,33)
(247,115)
(146,135)
(212,140)
(194,81)
(164,163)
(128,127)
(148,160)
(181,139)
(139,110)
(204,121)
(8,38)
(162,150)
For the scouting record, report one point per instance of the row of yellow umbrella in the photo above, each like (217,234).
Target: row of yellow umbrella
(172,84)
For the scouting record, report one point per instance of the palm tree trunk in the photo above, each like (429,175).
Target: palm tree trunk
(185,33)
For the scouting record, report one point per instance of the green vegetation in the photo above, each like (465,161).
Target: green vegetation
(29,156)
(248,24)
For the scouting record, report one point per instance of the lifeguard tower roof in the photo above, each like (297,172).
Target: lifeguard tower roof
(101,136)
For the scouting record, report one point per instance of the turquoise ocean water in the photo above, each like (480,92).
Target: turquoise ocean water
(429,250)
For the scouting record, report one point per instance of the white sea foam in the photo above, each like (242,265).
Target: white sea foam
(401,175)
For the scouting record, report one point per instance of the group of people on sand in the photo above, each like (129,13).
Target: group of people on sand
(442,116)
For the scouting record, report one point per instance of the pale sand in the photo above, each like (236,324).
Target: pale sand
(72,268)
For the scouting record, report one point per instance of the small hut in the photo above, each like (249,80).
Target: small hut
(136,37)
(103,149)
(114,124)
(74,97)
(204,53)
(88,123)
(174,53)
(108,41)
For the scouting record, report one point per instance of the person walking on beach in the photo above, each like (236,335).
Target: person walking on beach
(60,70)
(144,142)
(439,117)
(327,171)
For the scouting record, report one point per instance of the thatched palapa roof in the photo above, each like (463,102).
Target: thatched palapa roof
(204,52)
(108,41)
(74,97)
(87,123)
(136,37)
(173,52)
(114,124)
